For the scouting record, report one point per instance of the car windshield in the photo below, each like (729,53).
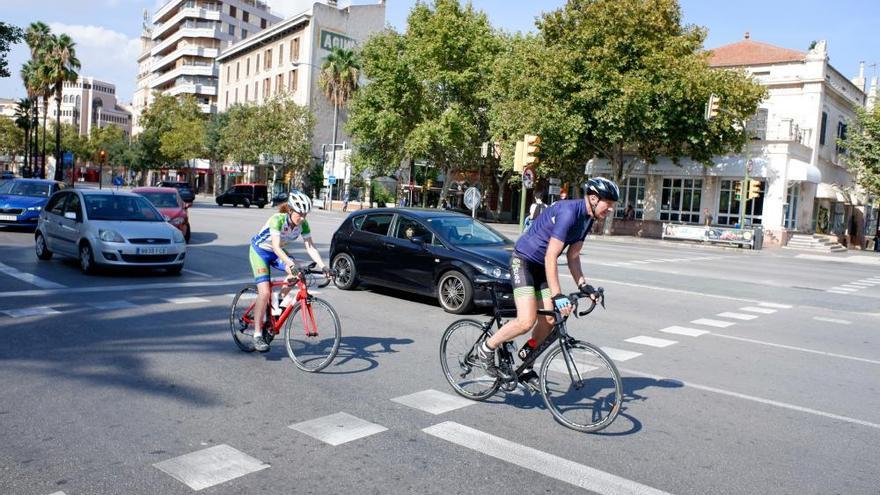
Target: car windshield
(121,208)
(23,188)
(462,231)
(162,200)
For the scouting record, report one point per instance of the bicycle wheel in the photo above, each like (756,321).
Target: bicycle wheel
(459,362)
(585,392)
(312,334)
(241,318)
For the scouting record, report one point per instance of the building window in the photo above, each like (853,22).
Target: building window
(247,67)
(262,23)
(228,72)
(294,49)
(757,126)
(244,33)
(681,200)
(728,205)
(824,129)
(267,59)
(246,88)
(231,30)
(236,95)
(245,15)
(841,135)
(232,11)
(267,85)
(237,71)
(291,81)
(791,206)
(280,54)
(279,83)
(257,65)
(227,99)
(256,91)
(632,192)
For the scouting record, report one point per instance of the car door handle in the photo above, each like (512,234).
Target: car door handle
(389,245)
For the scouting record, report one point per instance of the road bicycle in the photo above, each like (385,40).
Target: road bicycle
(579,382)
(311,327)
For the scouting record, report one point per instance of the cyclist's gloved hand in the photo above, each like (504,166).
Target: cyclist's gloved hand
(328,272)
(587,289)
(561,302)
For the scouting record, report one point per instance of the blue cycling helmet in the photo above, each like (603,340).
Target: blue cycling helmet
(604,188)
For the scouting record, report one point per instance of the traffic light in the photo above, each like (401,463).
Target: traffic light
(713,107)
(103,155)
(739,189)
(429,183)
(754,189)
(519,157)
(532,148)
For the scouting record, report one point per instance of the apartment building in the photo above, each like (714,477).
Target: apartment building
(286,58)
(793,151)
(87,103)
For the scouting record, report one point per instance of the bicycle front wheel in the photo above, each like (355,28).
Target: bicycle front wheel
(459,361)
(581,386)
(312,335)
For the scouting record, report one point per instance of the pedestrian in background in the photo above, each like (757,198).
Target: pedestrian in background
(629,213)
(707,217)
(345,199)
(534,211)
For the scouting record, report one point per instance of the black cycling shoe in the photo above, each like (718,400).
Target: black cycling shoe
(487,362)
(260,344)
(530,379)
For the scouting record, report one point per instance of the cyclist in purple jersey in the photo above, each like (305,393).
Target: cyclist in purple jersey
(534,270)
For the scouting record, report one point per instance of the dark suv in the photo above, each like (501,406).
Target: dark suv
(186,191)
(245,195)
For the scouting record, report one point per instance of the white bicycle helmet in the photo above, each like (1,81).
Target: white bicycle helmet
(299,202)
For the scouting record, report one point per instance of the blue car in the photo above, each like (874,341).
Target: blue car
(21,200)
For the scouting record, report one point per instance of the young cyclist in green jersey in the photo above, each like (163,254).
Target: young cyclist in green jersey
(268,250)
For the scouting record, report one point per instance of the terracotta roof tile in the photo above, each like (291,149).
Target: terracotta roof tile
(748,52)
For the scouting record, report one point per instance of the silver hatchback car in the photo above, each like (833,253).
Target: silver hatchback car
(108,228)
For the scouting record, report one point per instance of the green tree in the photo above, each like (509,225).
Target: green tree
(61,66)
(285,131)
(11,138)
(38,37)
(23,121)
(9,35)
(167,117)
(240,138)
(862,145)
(30,80)
(339,76)
(639,81)
(184,140)
(214,149)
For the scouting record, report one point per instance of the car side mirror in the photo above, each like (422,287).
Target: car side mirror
(70,215)
(419,240)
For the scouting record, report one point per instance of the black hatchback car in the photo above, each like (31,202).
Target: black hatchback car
(430,252)
(186,191)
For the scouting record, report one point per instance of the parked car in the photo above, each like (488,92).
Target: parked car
(169,203)
(108,228)
(245,195)
(6,175)
(430,252)
(186,191)
(21,200)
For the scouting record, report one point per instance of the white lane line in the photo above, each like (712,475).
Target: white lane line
(29,278)
(753,398)
(620,354)
(337,429)
(775,305)
(853,287)
(34,311)
(713,323)
(187,270)
(537,461)
(832,320)
(753,309)
(835,291)
(107,305)
(688,332)
(211,466)
(187,300)
(641,262)
(651,341)
(737,316)
(848,290)
(799,349)
(434,402)
(862,284)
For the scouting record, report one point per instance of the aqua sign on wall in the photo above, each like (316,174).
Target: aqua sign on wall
(331,40)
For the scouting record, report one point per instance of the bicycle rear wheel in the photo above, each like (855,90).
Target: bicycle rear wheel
(583,393)
(241,318)
(312,335)
(459,362)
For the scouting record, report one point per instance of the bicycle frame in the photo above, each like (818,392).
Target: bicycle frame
(302,296)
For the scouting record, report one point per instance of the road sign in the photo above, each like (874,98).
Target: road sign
(331,180)
(117,181)
(554,190)
(528,178)
(472,198)
(67,159)
(554,181)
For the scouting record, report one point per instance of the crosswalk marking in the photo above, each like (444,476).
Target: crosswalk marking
(713,323)
(862,284)
(851,286)
(836,291)
(212,466)
(434,402)
(337,429)
(620,354)
(737,316)
(112,305)
(30,278)
(651,341)
(846,289)
(754,309)
(687,332)
(775,305)
(540,462)
(832,320)
(34,311)
(187,300)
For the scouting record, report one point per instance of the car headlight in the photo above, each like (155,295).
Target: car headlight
(493,271)
(110,236)
(35,208)
(178,237)
(178,221)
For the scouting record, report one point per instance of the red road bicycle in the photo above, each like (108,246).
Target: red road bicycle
(311,327)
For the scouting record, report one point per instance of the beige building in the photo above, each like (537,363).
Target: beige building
(88,103)
(7,108)
(286,58)
(182,41)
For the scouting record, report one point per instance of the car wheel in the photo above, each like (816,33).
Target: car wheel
(86,259)
(455,293)
(41,248)
(188,234)
(346,273)
(174,270)
(247,203)
(219,203)
(261,205)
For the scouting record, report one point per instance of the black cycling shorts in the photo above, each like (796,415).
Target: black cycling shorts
(529,279)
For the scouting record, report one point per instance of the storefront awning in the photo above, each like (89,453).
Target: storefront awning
(804,172)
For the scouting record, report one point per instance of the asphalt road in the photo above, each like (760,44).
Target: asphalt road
(130,382)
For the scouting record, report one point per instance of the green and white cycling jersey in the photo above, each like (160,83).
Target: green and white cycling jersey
(280,225)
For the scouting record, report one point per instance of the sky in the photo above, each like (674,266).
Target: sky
(107,31)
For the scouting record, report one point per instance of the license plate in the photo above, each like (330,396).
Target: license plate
(152,250)
(8,218)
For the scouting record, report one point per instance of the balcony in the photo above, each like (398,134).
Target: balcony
(187,51)
(192,88)
(167,28)
(207,30)
(190,69)
(208,107)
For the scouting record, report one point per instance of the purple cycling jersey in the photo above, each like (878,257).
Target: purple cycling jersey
(566,220)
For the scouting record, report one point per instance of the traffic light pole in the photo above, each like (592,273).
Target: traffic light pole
(744,194)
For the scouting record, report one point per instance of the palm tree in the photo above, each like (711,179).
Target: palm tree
(23,120)
(38,37)
(30,79)
(61,67)
(339,80)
